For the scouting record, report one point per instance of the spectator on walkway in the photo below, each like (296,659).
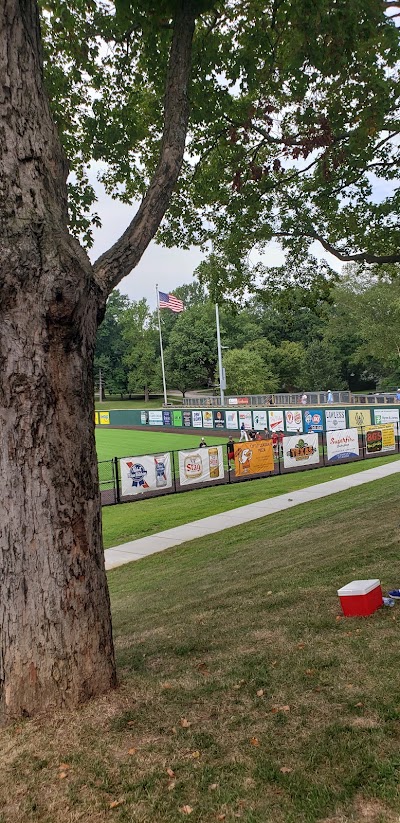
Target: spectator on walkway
(329,396)
(304,399)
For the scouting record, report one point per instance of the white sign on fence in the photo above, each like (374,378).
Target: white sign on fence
(245,417)
(155,418)
(300,450)
(260,420)
(342,445)
(276,421)
(294,420)
(231,419)
(201,465)
(197,419)
(148,472)
(386,416)
(335,419)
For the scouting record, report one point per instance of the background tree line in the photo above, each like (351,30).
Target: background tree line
(334,333)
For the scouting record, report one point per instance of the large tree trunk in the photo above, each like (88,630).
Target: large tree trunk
(56,642)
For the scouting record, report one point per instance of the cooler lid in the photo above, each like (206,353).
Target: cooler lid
(357,587)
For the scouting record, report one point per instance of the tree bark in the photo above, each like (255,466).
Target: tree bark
(56,642)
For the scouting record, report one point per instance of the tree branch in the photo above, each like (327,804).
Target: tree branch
(125,254)
(345,257)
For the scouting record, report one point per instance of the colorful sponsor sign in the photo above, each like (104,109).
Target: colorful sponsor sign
(96,418)
(144,417)
(155,417)
(342,445)
(294,420)
(313,421)
(260,420)
(231,418)
(201,465)
(149,472)
(238,401)
(380,438)
(104,418)
(359,418)
(335,419)
(276,421)
(246,418)
(177,417)
(207,419)
(219,419)
(187,418)
(253,458)
(300,450)
(197,419)
(167,418)
(386,416)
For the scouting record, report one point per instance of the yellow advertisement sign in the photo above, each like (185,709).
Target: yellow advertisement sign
(96,418)
(253,458)
(380,438)
(105,418)
(358,418)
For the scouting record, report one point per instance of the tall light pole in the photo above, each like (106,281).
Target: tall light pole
(221,370)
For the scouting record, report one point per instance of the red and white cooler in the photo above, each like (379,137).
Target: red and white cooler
(360,598)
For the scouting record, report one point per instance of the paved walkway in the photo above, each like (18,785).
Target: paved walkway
(119,555)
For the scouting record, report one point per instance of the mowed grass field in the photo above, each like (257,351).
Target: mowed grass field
(244,694)
(130,442)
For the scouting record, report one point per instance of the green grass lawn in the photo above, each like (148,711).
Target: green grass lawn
(244,695)
(130,442)
(130,521)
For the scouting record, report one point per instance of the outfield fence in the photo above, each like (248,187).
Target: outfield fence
(132,478)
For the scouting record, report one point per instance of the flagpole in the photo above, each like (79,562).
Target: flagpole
(162,350)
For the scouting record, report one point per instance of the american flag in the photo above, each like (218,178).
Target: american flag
(169,301)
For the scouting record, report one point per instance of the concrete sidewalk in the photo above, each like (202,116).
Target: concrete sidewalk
(119,555)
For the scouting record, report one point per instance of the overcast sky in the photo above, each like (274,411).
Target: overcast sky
(167,267)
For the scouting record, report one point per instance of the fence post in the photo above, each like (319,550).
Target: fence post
(363,441)
(323,447)
(116,472)
(173,469)
(229,463)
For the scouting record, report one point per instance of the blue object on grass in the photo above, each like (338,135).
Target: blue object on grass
(388,601)
(395,593)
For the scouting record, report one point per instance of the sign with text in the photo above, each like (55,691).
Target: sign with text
(219,419)
(177,417)
(313,420)
(167,418)
(359,418)
(245,417)
(149,472)
(342,445)
(155,418)
(294,420)
(201,465)
(187,418)
(300,450)
(276,420)
(253,458)
(386,416)
(208,419)
(197,419)
(231,418)
(380,438)
(335,419)
(260,419)
(104,418)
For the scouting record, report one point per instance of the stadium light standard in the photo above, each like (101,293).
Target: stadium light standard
(221,370)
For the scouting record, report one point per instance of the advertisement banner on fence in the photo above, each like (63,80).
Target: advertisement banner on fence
(96,418)
(201,465)
(219,420)
(238,401)
(294,420)
(187,418)
(253,458)
(335,419)
(386,416)
(144,417)
(342,445)
(156,418)
(300,450)
(260,420)
(104,418)
(231,418)
(149,472)
(246,418)
(197,419)
(380,438)
(276,421)
(313,420)
(177,417)
(167,418)
(208,420)
(359,418)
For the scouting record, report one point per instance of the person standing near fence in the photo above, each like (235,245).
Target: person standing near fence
(329,396)
(243,433)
